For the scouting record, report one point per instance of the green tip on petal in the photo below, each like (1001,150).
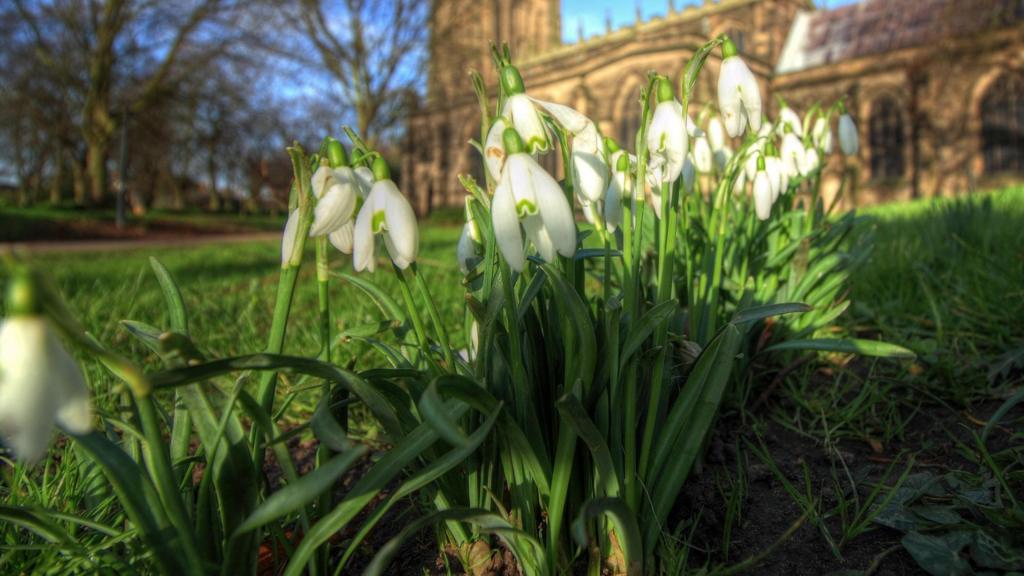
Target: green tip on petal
(622,165)
(22,295)
(664,90)
(377,225)
(511,81)
(380,169)
(512,141)
(336,156)
(525,208)
(728,49)
(760,163)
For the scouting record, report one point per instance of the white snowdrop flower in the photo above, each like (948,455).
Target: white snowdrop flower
(849,141)
(750,164)
(739,96)
(590,172)
(810,161)
(666,138)
(40,384)
(385,213)
(788,118)
(822,134)
(716,134)
(740,183)
(792,153)
(702,156)
(528,198)
(521,111)
(335,190)
(607,212)
(763,194)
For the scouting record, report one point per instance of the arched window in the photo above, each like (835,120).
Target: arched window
(1002,125)
(886,139)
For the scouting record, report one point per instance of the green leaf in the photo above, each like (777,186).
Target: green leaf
(850,346)
(939,556)
(148,335)
(625,524)
(643,329)
(1002,411)
(761,312)
(307,489)
(137,497)
(326,428)
(587,253)
(435,413)
(384,301)
(172,297)
(575,416)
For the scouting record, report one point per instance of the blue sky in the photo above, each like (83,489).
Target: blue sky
(623,12)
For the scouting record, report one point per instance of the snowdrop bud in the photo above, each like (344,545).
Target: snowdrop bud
(822,134)
(522,112)
(762,191)
(716,134)
(702,157)
(666,137)
(386,213)
(40,383)
(336,156)
(289,236)
(848,139)
(788,119)
(588,166)
(739,96)
(528,198)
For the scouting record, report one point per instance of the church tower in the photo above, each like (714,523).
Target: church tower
(462,30)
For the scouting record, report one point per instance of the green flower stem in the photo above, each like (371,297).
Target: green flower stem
(417,321)
(275,342)
(435,317)
(160,467)
(519,381)
(667,257)
(721,216)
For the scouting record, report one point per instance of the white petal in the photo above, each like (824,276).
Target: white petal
(729,102)
(716,134)
(342,237)
(364,181)
(613,206)
(363,239)
(519,169)
(527,121)
(689,173)
(465,249)
(762,195)
(402,236)
(787,117)
(539,237)
(334,208)
(319,181)
(506,225)
(288,237)
(568,118)
(553,207)
(750,94)
(666,137)
(494,149)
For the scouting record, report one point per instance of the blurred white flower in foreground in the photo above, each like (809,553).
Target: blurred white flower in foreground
(528,195)
(39,383)
(385,213)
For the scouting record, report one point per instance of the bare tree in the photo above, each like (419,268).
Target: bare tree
(373,51)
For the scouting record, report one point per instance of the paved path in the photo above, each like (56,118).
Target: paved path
(45,247)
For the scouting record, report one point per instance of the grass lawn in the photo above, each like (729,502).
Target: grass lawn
(816,448)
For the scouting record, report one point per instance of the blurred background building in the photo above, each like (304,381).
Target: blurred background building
(936,86)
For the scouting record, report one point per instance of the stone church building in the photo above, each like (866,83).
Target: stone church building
(936,86)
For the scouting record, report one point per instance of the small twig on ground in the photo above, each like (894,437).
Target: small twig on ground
(760,556)
(778,380)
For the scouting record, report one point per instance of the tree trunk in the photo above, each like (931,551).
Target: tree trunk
(57,178)
(211,166)
(96,168)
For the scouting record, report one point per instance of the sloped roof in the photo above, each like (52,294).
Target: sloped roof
(878,26)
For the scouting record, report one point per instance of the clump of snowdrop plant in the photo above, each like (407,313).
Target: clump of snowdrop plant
(595,356)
